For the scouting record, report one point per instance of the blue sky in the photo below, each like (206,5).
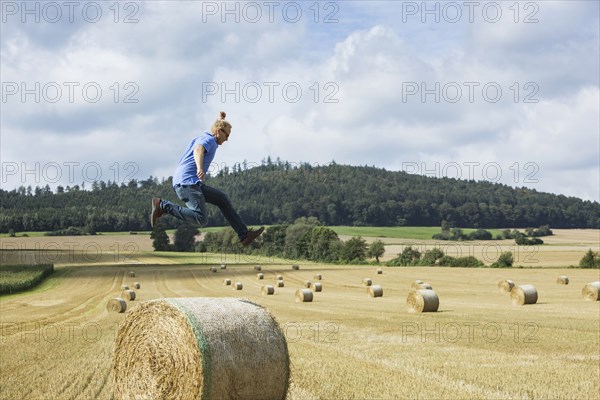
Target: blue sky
(503,91)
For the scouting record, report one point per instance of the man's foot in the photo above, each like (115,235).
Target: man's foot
(251,235)
(156,211)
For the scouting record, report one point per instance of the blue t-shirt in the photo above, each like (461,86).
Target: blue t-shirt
(185,173)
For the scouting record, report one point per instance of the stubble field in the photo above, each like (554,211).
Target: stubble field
(56,342)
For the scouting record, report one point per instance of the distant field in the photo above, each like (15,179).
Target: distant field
(57,341)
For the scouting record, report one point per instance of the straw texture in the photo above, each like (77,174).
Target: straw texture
(200,348)
(375,291)
(524,294)
(505,286)
(304,295)
(422,300)
(117,305)
(591,291)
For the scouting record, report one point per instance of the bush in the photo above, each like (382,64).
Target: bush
(590,260)
(504,261)
(409,256)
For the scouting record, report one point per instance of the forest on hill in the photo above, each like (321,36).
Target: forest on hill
(279,193)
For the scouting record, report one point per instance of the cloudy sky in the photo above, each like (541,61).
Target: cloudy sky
(502,91)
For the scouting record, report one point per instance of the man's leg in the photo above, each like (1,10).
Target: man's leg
(193,198)
(221,200)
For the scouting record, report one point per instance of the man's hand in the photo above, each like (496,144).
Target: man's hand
(200,174)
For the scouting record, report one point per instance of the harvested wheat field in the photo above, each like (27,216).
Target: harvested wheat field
(57,341)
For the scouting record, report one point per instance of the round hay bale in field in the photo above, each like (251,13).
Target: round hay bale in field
(260,275)
(117,305)
(379,271)
(562,280)
(131,274)
(279,277)
(524,294)
(422,300)
(280,284)
(317,287)
(223,266)
(318,277)
(367,282)
(200,348)
(257,268)
(505,286)
(267,289)
(420,285)
(295,267)
(128,295)
(304,295)
(591,291)
(124,287)
(375,291)
(213,269)
(237,286)
(226,281)
(137,285)
(307,284)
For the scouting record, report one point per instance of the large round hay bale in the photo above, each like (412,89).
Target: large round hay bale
(379,271)
(267,289)
(124,287)
(304,295)
(295,267)
(223,266)
(200,348)
(257,268)
(279,277)
(237,286)
(116,305)
(506,285)
(420,285)
(307,284)
(137,285)
(422,300)
(317,287)
(318,277)
(131,274)
(280,284)
(226,281)
(375,291)
(562,280)
(260,275)
(128,295)
(591,291)
(367,282)
(213,269)
(524,294)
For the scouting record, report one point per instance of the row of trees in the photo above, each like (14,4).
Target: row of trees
(436,257)
(279,193)
(530,237)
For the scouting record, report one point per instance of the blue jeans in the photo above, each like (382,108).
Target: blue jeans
(195,198)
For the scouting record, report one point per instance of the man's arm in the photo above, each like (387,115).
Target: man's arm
(199,158)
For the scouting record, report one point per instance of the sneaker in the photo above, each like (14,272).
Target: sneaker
(156,211)
(251,235)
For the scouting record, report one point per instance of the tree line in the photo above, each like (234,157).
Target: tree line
(279,193)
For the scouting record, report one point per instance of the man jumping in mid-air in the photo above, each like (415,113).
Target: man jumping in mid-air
(188,182)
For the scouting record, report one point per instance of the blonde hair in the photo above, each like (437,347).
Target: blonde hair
(221,123)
